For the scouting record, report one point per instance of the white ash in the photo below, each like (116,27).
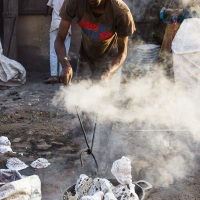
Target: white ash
(121,169)
(125,192)
(83,185)
(97,196)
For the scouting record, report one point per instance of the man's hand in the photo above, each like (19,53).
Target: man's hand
(66,75)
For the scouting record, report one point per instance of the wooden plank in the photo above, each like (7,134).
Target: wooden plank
(1,20)
(10,17)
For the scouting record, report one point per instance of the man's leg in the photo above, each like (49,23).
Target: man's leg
(53,56)
(53,60)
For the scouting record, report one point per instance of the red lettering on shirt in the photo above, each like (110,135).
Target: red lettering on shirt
(96,31)
(105,35)
(88,25)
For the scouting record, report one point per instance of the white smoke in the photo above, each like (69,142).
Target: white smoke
(154,101)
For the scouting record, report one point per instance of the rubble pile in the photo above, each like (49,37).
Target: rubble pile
(13,185)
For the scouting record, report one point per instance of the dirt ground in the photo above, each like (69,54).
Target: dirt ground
(38,129)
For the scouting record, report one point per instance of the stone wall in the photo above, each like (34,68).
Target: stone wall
(149,27)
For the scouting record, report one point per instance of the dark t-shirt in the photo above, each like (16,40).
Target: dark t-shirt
(99,34)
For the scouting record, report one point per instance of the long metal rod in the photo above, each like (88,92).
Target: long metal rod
(95,161)
(94,134)
(89,150)
(84,133)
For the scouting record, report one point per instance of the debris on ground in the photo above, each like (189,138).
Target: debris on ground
(40,163)
(15,187)
(15,164)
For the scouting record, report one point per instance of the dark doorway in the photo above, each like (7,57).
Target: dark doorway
(1,20)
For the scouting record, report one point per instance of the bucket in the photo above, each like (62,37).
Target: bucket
(141,187)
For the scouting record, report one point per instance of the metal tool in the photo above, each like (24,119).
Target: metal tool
(89,148)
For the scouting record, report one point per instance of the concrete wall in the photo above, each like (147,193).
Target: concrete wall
(33,42)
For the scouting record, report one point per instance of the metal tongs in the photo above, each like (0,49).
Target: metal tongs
(89,148)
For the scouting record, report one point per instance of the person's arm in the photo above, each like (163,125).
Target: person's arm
(66,74)
(119,59)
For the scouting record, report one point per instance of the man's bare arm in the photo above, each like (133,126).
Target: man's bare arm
(60,42)
(66,74)
(120,57)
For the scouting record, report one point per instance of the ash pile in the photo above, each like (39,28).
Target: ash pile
(121,188)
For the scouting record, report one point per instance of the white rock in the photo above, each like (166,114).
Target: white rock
(105,185)
(109,196)
(100,184)
(127,192)
(4,149)
(121,169)
(132,190)
(97,196)
(40,163)
(83,185)
(15,164)
(5,145)
(95,187)
(4,141)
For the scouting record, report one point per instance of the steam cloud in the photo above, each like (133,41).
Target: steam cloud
(153,100)
(154,103)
